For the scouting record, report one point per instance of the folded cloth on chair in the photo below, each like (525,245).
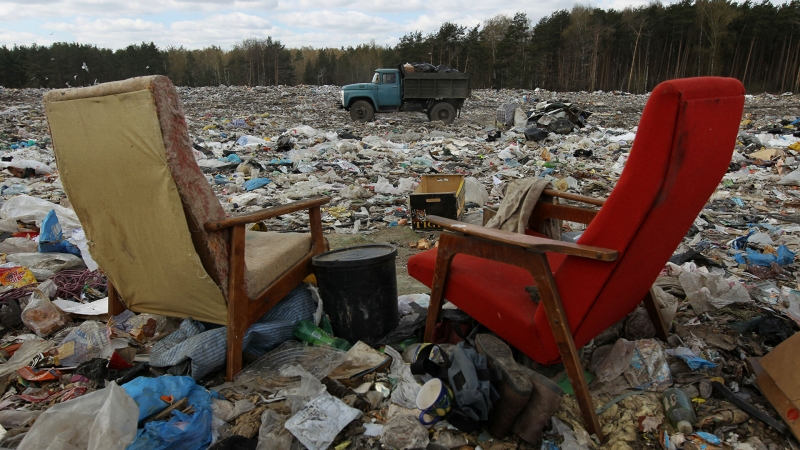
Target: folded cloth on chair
(204,350)
(515,210)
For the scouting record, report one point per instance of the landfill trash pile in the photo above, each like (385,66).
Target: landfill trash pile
(69,371)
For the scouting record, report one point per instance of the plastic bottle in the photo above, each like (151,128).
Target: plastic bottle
(679,410)
(308,332)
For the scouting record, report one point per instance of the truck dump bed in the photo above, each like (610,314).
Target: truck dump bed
(435,85)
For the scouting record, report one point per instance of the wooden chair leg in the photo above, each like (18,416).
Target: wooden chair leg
(237,303)
(440,272)
(115,305)
(654,311)
(554,310)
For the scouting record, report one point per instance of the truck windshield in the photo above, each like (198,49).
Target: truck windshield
(376,78)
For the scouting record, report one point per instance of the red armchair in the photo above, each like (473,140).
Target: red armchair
(682,149)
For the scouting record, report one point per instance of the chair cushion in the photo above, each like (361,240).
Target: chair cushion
(473,280)
(267,255)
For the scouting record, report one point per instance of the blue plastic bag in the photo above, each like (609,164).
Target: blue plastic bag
(51,237)
(255,183)
(182,431)
(233,158)
(785,256)
(741,242)
(695,362)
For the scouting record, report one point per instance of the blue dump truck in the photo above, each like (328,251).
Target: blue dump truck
(440,95)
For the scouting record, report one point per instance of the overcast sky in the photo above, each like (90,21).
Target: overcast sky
(202,23)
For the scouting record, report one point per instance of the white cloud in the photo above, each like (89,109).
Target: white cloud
(222,30)
(201,23)
(8,37)
(341,23)
(114,33)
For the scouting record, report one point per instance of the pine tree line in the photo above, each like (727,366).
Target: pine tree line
(582,49)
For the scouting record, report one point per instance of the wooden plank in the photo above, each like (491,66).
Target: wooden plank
(267,213)
(654,311)
(575,197)
(237,303)
(533,243)
(554,310)
(444,257)
(543,211)
(115,305)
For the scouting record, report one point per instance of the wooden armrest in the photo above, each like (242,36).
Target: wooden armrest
(533,243)
(575,197)
(267,213)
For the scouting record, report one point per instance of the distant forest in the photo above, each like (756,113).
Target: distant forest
(585,49)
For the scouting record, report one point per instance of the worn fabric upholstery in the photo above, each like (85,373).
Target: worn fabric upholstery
(268,255)
(682,149)
(126,161)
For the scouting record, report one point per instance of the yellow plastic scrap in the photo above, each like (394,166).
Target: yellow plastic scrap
(263,116)
(338,212)
(795,146)
(343,445)
(17,277)
(209,127)
(310,279)
(746,122)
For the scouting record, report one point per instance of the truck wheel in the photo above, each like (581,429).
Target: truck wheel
(362,111)
(443,111)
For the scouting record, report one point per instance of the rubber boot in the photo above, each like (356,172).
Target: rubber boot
(514,388)
(544,402)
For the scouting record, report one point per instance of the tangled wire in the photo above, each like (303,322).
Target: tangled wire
(70,285)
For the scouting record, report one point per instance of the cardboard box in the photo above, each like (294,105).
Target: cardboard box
(437,195)
(780,383)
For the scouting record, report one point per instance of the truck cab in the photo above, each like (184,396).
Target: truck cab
(439,95)
(383,94)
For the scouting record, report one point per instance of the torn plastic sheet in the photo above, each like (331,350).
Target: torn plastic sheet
(649,369)
(709,291)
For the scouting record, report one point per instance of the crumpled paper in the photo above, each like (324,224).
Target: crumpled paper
(318,423)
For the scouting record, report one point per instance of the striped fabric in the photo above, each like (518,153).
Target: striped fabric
(201,347)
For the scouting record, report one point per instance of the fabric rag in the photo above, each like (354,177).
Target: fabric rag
(515,210)
(204,350)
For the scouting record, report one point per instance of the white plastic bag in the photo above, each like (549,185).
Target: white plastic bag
(405,392)
(39,167)
(475,192)
(102,420)
(32,209)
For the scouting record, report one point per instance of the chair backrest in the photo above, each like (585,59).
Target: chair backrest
(682,148)
(125,159)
